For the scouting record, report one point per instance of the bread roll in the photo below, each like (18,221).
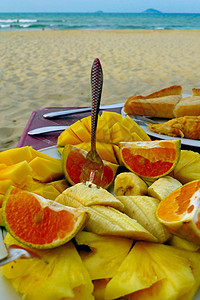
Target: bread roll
(159,104)
(195,92)
(188,106)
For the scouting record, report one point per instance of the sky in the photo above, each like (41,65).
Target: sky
(168,6)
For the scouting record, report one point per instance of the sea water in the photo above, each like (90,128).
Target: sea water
(98,21)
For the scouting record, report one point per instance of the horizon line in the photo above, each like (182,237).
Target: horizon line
(97,12)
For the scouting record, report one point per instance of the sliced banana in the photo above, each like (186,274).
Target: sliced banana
(128,184)
(107,220)
(82,195)
(143,209)
(162,187)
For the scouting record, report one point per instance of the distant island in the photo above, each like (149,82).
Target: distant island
(99,12)
(151,11)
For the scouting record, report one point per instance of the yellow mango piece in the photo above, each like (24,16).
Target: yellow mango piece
(68,137)
(2,166)
(105,150)
(60,150)
(31,184)
(87,123)
(80,130)
(134,127)
(119,133)
(60,185)
(118,155)
(47,191)
(15,155)
(46,170)
(111,117)
(1,199)
(5,184)
(16,172)
(102,132)
(136,137)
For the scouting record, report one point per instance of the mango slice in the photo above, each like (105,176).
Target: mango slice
(16,172)
(81,131)
(15,155)
(68,137)
(46,170)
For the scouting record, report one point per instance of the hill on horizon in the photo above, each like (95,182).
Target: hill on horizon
(151,11)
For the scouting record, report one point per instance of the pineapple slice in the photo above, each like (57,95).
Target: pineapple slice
(107,253)
(154,271)
(58,274)
(188,167)
(136,272)
(183,244)
(162,289)
(99,288)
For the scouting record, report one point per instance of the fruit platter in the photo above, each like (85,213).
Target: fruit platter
(136,236)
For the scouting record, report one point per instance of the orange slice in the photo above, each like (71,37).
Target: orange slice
(150,159)
(180,212)
(72,161)
(40,223)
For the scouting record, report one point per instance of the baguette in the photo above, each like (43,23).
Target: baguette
(158,104)
(188,106)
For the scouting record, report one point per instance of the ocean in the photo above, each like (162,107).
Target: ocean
(98,21)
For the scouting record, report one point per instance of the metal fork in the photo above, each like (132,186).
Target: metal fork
(92,170)
(144,119)
(8,254)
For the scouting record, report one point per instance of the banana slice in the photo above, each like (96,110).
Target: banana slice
(128,184)
(82,195)
(143,209)
(162,187)
(107,220)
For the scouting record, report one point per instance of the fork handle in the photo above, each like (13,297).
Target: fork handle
(96,84)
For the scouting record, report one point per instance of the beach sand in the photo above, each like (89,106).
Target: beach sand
(52,68)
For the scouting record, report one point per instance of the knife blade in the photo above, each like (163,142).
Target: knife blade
(47,129)
(56,114)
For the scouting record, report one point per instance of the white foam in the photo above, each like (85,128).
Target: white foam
(8,21)
(3,26)
(25,25)
(27,21)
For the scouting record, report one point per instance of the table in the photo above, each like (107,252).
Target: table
(49,139)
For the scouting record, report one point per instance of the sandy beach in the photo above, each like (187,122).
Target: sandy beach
(52,68)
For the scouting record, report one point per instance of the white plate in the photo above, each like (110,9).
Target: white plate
(7,292)
(184,141)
